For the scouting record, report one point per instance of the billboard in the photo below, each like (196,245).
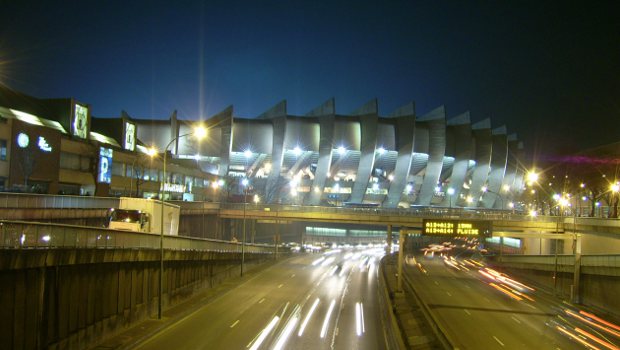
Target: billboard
(130,136)
(35,154)
(105,165)
(79,125)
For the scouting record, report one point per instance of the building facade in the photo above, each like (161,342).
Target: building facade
(321,158)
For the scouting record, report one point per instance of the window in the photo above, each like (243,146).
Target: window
(2,149)
(118,168)
(69,161)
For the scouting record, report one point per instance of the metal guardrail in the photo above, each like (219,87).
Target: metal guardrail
(439,212)
(29,235)
(590,260)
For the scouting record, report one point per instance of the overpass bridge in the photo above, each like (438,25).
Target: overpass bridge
(72,283)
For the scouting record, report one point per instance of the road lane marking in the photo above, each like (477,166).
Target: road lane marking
(280,286)
(515,319)
(467,312)
(449,294)
(487,300)
(293,275)
(499,341)
(234,324)
(437,283)
(261,301)
(532,306)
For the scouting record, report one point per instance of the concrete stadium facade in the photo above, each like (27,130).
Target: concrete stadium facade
(320,158)
(326,158)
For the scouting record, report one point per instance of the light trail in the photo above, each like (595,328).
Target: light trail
(597,339)
(305,322)
(611,331)
(577,338)
(327,317)
(594,317)
(264,333)
(359,319)
(286,333)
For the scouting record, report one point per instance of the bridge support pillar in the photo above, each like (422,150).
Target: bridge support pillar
(577,270)
(389,240)
(401,248)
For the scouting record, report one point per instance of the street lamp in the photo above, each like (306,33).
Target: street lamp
(151,152)
(200,133)
(245,183)
(450,193)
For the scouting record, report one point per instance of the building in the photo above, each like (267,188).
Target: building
(321,158)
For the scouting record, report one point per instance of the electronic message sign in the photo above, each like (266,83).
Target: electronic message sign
(438,227)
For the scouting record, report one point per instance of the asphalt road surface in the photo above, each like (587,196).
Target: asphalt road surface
(481,309)
(311,301)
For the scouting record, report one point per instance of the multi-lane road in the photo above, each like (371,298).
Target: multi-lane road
(480,308)
(330,301)
(311,301)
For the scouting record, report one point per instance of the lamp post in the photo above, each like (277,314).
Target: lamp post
(200,133)
(245,183)
(151,152)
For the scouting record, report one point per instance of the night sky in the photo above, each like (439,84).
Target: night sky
(551,73)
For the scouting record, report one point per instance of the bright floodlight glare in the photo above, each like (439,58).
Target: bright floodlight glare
(297,151)
(532,177)
(151,151)
(506,187)
(450,191)
(511,205)
(408,188)
(556,197)
(484,188)
(200,132)
(245,182)
(614,187)
(247,153)
(381,150)
(375,187)
(342,150)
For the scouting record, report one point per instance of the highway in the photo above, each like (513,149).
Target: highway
(310,301)
(479,308)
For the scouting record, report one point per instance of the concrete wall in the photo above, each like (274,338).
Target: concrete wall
(62,299)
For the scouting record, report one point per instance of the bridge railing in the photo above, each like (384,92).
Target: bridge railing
(9,200)
(32,235)
(439,212)
(47,201)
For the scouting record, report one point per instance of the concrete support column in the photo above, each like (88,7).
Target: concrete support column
(389,239)
(401,244)
(577,272)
